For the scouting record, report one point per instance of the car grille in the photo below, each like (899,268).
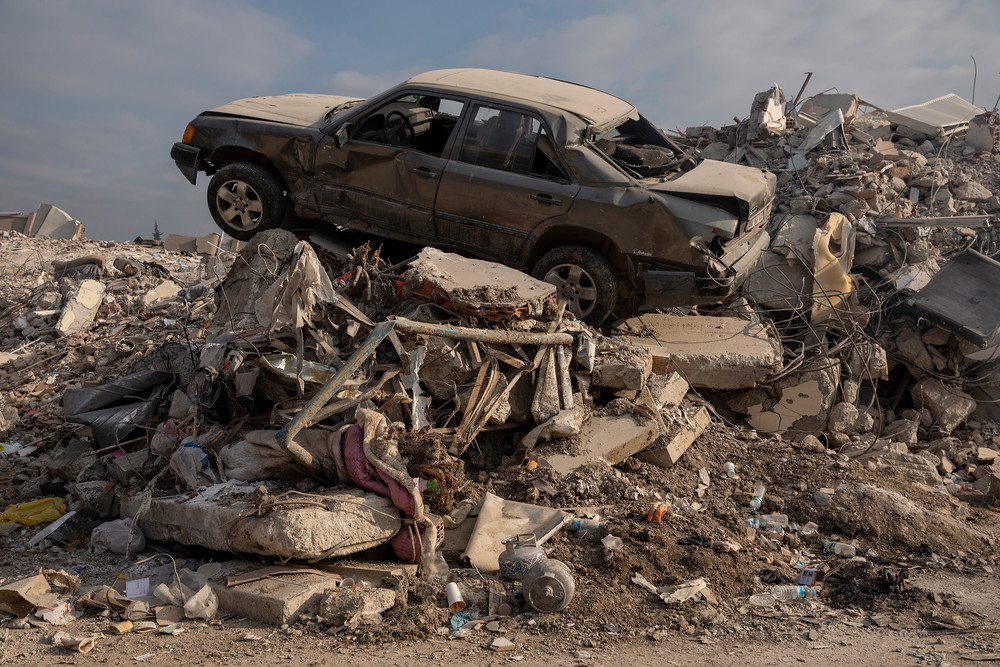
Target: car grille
(760,217)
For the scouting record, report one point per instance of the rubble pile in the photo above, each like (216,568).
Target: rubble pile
(343,445)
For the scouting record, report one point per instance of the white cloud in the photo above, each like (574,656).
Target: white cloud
(688,63)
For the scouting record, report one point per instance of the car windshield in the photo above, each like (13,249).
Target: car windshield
(640,148)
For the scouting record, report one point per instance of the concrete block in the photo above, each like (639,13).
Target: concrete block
(902,430)
(803,404)
(81,307)
(611,439)
(667,390)
(622,367)
(343,606)
(986,455)
(842,417)
(949,406)
(713,352)
(165,290)
(669,447)
(276,600)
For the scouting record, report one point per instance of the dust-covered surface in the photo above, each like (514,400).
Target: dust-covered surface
(878,434)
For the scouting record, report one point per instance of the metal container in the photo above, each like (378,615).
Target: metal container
(520,554)
(548,585)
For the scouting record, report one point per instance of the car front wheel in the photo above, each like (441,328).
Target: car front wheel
(244,199)
(583,279)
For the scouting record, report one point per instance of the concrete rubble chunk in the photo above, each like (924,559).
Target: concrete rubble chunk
(713,352)
(279,597)
(972,191)
(803,405)
(667,390)
(165,290)
(950,407)
(476,285)
(622,367)
(81,307)
(348,605)
(610,439)
(683,430)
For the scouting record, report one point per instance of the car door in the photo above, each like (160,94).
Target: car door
(385,177)
(504,180)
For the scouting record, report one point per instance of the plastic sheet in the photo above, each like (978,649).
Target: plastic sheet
(115,409)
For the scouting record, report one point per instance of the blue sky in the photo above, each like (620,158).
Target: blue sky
(94,93)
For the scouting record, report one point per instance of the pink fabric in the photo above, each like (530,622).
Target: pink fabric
(402,543)
(370,478)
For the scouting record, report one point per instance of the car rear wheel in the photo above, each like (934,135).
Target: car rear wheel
(583,279)
(244,199)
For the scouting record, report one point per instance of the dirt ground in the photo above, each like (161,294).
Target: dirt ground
(922,590)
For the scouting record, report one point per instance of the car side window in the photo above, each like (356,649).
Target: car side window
(511,141)
(421,122)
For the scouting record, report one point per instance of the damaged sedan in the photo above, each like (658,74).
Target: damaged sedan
(566,182)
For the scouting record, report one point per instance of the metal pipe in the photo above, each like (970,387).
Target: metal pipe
(304,419)
(565,386)
(495,336)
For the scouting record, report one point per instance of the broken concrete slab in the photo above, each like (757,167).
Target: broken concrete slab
(611,439)
(52,222)
(476,286)
(348,605)
(984,132)
(81,307)
(225,517)
(713,352)
(207,245)
(682,432)
(499,519)
(949,406)
(165,290)
(667,390)
(276,599)
(941,116)
(803,405)
(622,367)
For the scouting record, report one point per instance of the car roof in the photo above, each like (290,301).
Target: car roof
(595,107)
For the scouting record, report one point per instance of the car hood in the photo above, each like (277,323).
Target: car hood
(296,109)
(723,179)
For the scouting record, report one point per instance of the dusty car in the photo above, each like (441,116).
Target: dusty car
(551,177)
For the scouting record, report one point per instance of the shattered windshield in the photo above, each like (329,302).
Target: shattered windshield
(640,148)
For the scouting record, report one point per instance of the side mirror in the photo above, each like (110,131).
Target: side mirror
(341,136)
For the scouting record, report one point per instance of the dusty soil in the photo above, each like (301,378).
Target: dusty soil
(912,540)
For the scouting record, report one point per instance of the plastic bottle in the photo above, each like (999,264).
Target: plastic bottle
(756,522)
(776,519)
(792,592)
(730,469)
(841,549)
(583,524)
(758,498)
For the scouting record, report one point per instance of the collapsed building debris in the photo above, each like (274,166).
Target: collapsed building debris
(300,407)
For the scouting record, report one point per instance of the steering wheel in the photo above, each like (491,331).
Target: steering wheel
(397,130)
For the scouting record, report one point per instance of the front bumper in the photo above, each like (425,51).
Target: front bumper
(188,160)
(668,289)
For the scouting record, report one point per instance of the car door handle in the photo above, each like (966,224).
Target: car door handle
(424,172)
(548,200)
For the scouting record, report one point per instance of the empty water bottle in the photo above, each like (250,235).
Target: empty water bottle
(730,469)
(583,524)
(841,549)
(792,592)
(758,498)
(776,519)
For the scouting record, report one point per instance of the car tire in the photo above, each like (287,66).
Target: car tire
(244,199)
(583,279)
